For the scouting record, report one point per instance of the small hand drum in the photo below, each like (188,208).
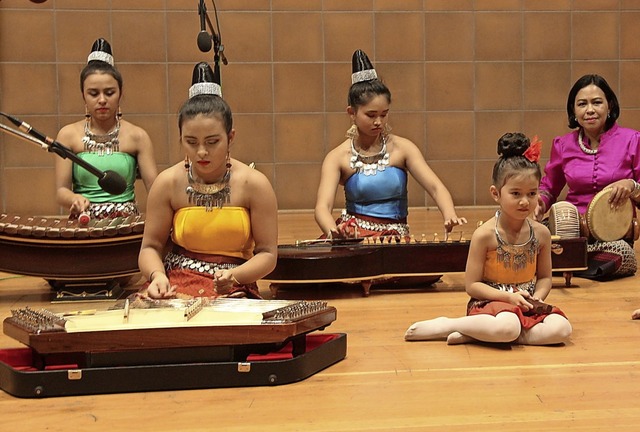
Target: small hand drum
(608,224)
(564,220)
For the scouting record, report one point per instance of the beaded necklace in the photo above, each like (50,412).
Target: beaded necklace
(584,148)
(369,165)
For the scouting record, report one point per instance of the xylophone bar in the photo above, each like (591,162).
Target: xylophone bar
(59,249)
(64,228)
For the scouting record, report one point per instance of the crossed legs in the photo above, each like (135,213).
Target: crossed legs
(504,327)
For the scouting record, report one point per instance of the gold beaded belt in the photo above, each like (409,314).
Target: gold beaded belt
(175,261)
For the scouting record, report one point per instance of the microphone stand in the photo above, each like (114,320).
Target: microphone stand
(24,136)
(218,47)
(79,286)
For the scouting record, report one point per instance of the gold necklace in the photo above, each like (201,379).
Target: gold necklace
(209,195)
(584,148)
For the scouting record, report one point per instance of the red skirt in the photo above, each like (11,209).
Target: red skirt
(193,284)
(527,321)
(190,282)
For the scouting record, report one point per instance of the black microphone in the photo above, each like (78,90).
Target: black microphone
(204,38)
(110,181)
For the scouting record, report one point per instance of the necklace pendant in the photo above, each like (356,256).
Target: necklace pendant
(209,195)
(101,145)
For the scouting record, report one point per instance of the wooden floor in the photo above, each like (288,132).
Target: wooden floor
(386,384)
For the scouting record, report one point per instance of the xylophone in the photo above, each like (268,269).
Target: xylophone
(374,259)
(67,253)
(169,344)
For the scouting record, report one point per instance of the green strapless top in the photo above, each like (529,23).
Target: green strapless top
(86,184)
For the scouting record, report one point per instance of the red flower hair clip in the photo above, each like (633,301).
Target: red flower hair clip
(533,152)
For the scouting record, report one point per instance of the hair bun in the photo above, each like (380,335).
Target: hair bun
(205,81)
(101,51)
(361,68)
(513,144)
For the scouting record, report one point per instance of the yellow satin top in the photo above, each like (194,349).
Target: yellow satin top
(221,231)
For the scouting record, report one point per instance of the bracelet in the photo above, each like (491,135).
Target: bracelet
(635,193)
(151,275)
(234,280)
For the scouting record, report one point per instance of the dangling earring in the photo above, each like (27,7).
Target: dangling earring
(352,132)
(187,164)
(119,114)
(86,113)
(386,130)
(228,160)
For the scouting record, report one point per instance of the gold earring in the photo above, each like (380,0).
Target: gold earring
(187,164)
(86,113)
(352,132)
(119,113)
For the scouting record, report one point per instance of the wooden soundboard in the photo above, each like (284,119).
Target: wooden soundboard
(147,325)
(147,345)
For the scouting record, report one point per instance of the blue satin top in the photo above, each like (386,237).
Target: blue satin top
(383,195)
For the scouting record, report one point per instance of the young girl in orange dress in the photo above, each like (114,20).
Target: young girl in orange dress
(508,274)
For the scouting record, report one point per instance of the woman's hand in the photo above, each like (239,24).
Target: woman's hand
(159,287)
(620,192)
(79,204)
(223,281)
(454,221)
(540,210)
(346,229)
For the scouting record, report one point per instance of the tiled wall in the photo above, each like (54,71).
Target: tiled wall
(461,72)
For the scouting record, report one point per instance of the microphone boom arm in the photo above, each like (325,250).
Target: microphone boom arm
(109,181)
(24,136)
(54,147)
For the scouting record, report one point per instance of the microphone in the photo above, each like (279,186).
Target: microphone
(204,38)
(110,181)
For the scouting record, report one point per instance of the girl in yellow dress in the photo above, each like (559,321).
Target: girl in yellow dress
(220,214)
